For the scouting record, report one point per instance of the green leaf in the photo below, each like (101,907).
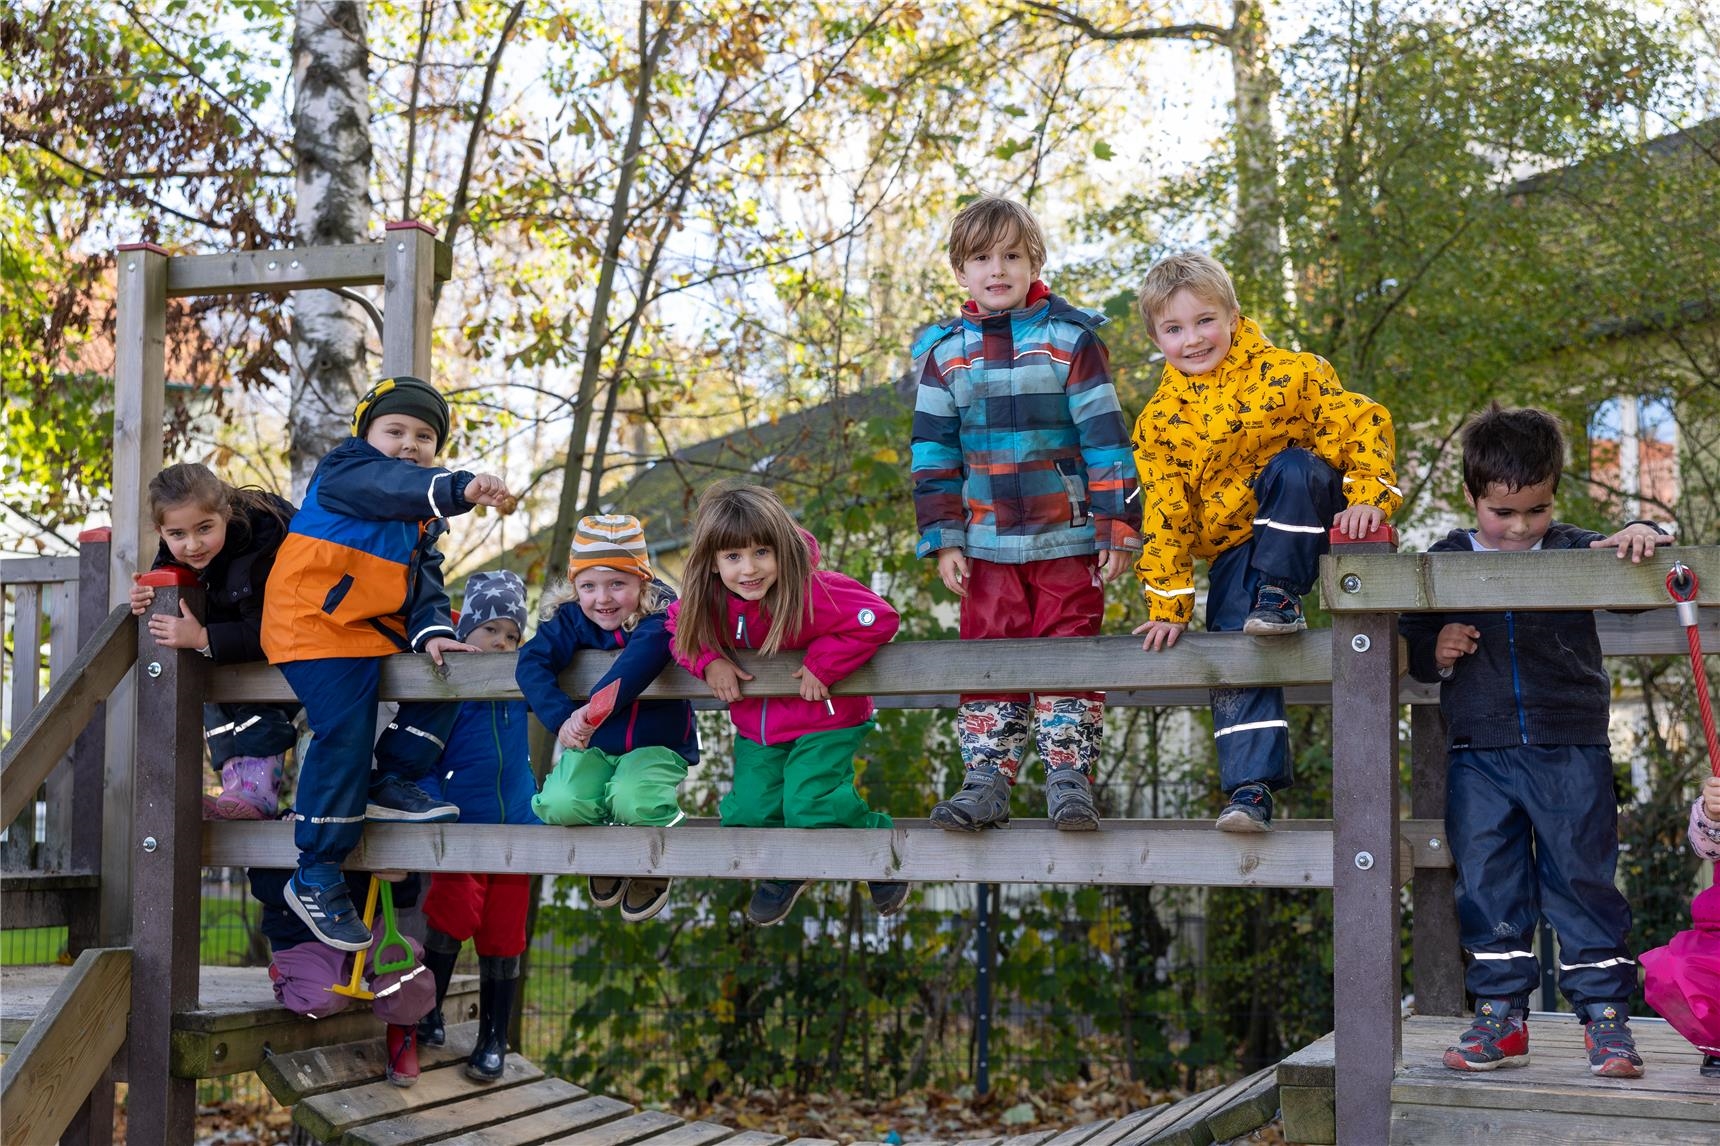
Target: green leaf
(1102,150)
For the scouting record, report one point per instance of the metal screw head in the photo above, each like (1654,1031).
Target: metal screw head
(295,266)
(1351,583)
(273,264)
(131,267)
(1360,643)
(154,668)
(1364,860)
(400,246)
(1434,844)
(149,843)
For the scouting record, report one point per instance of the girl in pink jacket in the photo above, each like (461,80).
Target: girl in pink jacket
(752,582)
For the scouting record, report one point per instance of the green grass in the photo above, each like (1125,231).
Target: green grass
(224,939)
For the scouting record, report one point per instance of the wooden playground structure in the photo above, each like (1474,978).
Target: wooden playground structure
(121,862)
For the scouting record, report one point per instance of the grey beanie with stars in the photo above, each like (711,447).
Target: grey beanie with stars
(491,596)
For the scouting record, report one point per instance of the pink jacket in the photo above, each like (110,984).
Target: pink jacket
(1704,836)
(843,625)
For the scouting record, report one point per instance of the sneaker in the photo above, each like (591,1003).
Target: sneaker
(1069,801)
(773,899)
(397,801)
(1276,610)
(605,890)
(1249,810)
(983,801)
(328,911)
(1497,1038)
(250,789)
(644,898)
(1710,1067)
(888,896)
(402,1069)
(1612,1050)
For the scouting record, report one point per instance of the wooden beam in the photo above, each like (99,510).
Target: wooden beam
(41,570)
(60,605)
(1568,579)
(54,724)
(18,851)
(1436,957)
(34,899)
(409,263)
(298,268)
(67,1048)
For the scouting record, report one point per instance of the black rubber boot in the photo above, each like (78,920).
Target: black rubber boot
(432,1028)
(495,1009)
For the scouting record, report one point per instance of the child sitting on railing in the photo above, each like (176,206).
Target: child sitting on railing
(752,582)
(486,772)
(228,538)
(623,766)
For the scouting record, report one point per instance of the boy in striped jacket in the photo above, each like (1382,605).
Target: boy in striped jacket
(1024,493)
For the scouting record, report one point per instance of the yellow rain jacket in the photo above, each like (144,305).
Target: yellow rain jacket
(1201,441)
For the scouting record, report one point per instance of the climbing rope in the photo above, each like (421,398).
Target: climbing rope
(1681,586)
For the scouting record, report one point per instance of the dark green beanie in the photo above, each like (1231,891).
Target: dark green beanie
(403,395)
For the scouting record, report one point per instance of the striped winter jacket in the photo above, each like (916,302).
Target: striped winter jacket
(1021,452)
(359,575)
(1202,440)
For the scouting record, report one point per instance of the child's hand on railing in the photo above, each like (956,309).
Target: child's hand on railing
(724,679)
(181,632)
(1357,521)
(1635,541)
(436,646)
(142,596)
(811,688)
(1159,634)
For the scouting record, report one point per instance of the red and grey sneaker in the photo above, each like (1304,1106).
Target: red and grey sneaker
(1606,1034)
(1497,1038)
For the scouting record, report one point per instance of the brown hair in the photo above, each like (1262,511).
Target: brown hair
(1193,271)
(1511,449)
(192,483)
(736,515)
(992,219)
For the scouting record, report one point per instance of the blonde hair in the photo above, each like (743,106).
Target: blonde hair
(1194,271)
(992,219)
(736,515)
(653,598)
(192,483)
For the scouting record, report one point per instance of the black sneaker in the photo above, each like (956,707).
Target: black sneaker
(773,899)
(644,898)
(1710,1067)
(1249,810)
(1498,1037)
(1606,1034)
(605,890)
(888,896)
(328,912)
(1276,610)
(397,801)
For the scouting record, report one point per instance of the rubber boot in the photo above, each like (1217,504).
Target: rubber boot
(1070,731)
(495,1010)
(432,1028)
(250,788)
(402,1054)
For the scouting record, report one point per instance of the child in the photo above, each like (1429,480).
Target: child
(752,582)
(1680,978)
(626,769)
(486,773)
(1022,490)
(359,578)
(1248,455)
(302,971)
(1530,807)
(228,537)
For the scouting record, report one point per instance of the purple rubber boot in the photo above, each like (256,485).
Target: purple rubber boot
(250,789)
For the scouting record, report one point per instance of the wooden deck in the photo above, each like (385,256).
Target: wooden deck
(1553,1100)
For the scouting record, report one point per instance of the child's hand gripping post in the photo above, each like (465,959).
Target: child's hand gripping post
(354,987)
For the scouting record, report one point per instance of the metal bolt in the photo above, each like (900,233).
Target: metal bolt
(149,843)
(273,264)
(154,668)
(1364,860)
(1434,844)
(400,246)
(1351,583)
(1360,643)
(219,1053)
(131,267)
(295,266)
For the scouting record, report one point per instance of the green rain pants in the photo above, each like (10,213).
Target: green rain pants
(589,786)
(807,782)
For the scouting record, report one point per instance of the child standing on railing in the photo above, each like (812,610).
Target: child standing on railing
(228,538)
(1531,810)
(359,578)
(486,772)
(752,582)
(625,768)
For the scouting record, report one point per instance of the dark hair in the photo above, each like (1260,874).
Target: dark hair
(1512,449)
(191,483)
(734,514)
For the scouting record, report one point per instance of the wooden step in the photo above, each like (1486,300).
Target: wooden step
(294,1077)
(493,1109)
(328,1116)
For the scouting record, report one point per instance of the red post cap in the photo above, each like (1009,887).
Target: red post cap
(99,533)
(1382,535)
(168,576)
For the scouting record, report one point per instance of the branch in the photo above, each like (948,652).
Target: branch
(1196,31)
(412,111)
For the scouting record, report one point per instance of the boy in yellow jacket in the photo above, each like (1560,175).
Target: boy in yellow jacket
(1248,455)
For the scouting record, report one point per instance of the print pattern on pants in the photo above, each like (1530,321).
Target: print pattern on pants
(993,734)
(1070,730)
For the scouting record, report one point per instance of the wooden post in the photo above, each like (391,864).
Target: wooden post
(409,269)
(60,603)
(18,853)
(1436,956)
(1367,1037)
(140,362)
(169,848)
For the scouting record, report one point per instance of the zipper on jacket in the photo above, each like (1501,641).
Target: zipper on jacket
(741,641)
(501,764)
(1516,680)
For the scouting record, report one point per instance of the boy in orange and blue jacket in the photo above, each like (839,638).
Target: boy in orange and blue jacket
(359,578)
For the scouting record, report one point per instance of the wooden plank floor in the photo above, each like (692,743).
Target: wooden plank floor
(1553,1099)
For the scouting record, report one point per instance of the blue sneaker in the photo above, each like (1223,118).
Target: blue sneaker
(1276,610)
(328,911)
(397,801)
(773,899)
(1249,810)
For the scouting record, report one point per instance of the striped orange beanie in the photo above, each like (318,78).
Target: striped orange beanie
(610,541)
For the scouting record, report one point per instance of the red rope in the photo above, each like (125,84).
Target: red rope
(1676,582)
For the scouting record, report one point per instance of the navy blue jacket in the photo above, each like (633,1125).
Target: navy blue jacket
(486,767)
(233,582)
(635,723)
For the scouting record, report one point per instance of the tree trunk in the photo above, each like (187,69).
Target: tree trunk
(1257,260)
(331,137)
